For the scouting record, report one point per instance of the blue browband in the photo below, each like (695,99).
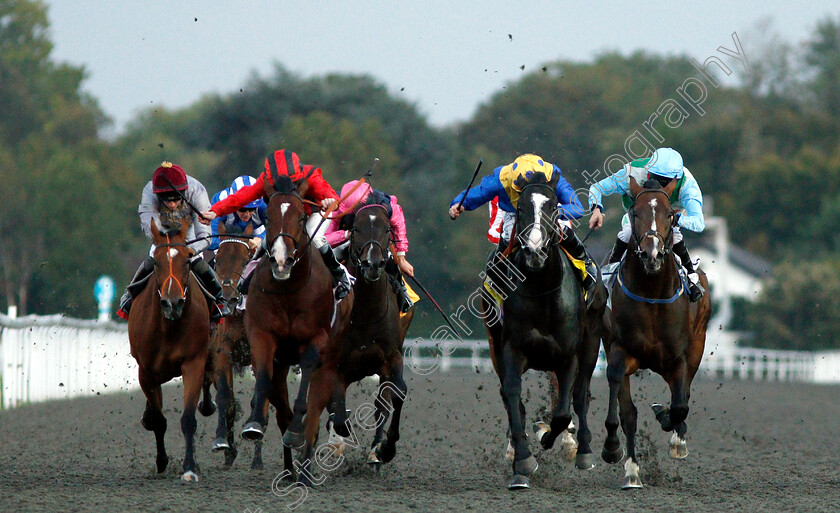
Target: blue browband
(634,297)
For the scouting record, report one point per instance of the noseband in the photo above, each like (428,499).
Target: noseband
(666,246)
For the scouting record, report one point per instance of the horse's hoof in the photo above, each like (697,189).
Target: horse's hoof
(540,430)
(612,457)
(252,431)
(161,464)
(220,444)
(525,467)
(519,483)
(230,457)
(386,451)
(189,477)
(679,449)
(631,476)
(585,461)
(256,465)
(372,458)
(206,408)
(510,453)
(293,440)
(568,446)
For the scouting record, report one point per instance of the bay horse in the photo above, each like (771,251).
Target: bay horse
(169,335)
(288,321)
(229,349)
(656,327)
(545,326)
(373,343)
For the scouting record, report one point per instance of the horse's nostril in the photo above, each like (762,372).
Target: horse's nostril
(289,261)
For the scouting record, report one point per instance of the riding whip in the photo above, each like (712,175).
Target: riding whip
(183,197)
(439,309)
(461,203)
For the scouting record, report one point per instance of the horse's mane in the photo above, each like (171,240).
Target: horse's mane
(284,185)
(169,229)
(536,179)
(651,184)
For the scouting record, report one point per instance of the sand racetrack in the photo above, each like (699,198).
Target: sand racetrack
(754,447)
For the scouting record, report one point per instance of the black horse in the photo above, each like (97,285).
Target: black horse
(656,327)
(373,344)
(546,326)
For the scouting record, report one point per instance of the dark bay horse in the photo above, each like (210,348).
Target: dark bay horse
(373,343)
(229,349)
(291,319)
(656,327)
(545,327)
(169,334)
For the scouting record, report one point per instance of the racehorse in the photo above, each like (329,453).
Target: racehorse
(169,335)
(291,319)
(656,327)
(546,326)
(229,349)
(373,343)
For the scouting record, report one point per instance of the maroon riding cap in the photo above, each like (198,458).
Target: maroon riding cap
(167,176)
(284,162)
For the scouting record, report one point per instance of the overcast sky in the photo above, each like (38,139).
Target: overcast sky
(447,56)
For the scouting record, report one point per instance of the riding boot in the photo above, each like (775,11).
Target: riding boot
(211,282)
(617,251)
(341,282)
(577,250)
(695,290)
(395,277)
(138,282)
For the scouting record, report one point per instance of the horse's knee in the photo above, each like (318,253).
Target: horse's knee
(615,373)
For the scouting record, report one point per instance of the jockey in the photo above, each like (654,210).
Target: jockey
(163,203)
(338,231)
(664,166)
(286,162)
(502,184)
(253,213)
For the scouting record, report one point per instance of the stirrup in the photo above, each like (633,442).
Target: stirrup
(404,301)
(219,309)
(342,288)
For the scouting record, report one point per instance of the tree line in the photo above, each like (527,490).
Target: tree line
(765,151)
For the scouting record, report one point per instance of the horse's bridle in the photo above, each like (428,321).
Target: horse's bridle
(354,259)
(537,215)
(297,254)
(172,277)
(666,245)
(229,282)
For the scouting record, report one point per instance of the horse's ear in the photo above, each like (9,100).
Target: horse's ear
(555,178)
(185,226)
(249,230)
(635,188)
(520,182)
(154,228)
(669,189)
(302,187)
(268,188)
(221,229)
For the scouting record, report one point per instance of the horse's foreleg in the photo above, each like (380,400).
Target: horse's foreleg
(193,377)
(628,425)
(338,407)
(319,396)
(673,418)
(584,458)
(153,418)
(524,462)
(280,400)
(263,348)
(561,414)
(388,448)
(309,361)
(616,370)
(223,378)
(206,406)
